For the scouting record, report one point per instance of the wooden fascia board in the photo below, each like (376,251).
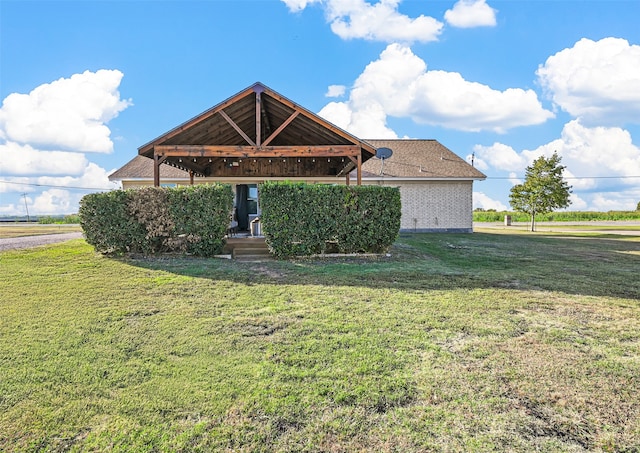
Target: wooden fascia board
(147,148)
(256,152)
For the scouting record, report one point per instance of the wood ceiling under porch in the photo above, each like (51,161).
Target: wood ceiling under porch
(259,133)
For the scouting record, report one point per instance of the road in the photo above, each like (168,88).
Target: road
(35,241)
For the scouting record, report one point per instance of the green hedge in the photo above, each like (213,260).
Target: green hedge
(559,216)
(305,219)
(153,220)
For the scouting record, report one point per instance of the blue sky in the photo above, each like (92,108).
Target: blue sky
(85,83)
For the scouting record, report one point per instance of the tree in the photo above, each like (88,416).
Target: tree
(543,191)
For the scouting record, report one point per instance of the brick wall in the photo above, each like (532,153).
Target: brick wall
(434,205)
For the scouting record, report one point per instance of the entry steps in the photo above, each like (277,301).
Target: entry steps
(247,248)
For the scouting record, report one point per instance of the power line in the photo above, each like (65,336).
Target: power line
(570,177)
(56,186)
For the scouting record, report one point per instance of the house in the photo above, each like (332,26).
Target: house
(259,135)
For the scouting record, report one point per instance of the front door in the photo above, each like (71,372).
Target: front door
(246,204)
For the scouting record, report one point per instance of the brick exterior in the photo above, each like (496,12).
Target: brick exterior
(437,206)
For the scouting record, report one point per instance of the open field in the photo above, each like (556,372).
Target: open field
(589,228)
(9,230)
(495,341)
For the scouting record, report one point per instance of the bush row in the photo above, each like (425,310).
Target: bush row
(305,219)
(59,220)
(152,220)
(563,216)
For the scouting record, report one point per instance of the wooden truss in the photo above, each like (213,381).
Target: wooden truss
(259,133)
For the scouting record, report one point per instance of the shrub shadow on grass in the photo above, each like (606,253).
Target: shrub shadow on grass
(573,264)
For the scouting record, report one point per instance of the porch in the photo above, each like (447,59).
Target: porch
(259,134)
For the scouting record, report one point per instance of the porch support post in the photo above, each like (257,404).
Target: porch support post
(191,177)
(347,179)
(360,168)
(157,161)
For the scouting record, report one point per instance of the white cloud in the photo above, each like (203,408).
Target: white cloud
(11,184)
(54,201)
(16,159)
(597,81)
(62,194)
(471,13)
(615,201)
(93,177)
(68,114)
(298,5)
(597,151)
(500,156)
(399,84)
(514,180)
(358,19)
(601,163)
(577,203)
(44,138)
(335,91)
(11,209)
(370,121)
(480,200)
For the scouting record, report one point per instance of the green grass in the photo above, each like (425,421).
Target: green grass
(483,342)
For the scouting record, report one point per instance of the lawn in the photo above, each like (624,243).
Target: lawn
(489,341)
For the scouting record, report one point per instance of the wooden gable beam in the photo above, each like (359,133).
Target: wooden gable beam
(258,89)
(236,127)
(281,128)
(190,151)
(319,120)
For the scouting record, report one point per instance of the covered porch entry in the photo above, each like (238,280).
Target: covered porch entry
(256,135)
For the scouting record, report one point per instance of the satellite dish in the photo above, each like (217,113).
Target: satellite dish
(383,153)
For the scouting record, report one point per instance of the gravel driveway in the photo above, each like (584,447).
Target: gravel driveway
(34,241)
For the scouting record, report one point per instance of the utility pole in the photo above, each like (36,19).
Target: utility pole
(26,207)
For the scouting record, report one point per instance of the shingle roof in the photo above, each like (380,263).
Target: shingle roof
(141,167)
(420,159)
(427,159)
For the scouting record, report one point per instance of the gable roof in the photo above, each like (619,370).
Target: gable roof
(411,159)
(257,123)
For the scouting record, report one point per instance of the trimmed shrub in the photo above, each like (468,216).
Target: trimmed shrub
(107,223)
(149,207)
(154,220)
(201,214)
(304,219)
(371,219)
